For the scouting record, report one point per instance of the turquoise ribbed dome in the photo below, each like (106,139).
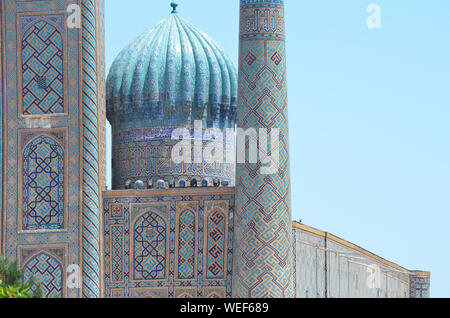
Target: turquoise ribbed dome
(170,76)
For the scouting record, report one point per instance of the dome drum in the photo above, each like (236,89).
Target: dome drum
(148,158)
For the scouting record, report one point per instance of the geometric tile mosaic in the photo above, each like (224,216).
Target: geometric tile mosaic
(46,265)
(420,286)
(47,271)
(159,247)
(42,69)
(144,155)
(216,240)
(263,254)
(43,184)
(150,243)
(186,241)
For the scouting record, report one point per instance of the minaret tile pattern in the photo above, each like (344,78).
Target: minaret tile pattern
(262,256)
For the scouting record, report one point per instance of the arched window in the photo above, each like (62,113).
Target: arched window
(43,197)
(150,247)
(42,70)
(48,271)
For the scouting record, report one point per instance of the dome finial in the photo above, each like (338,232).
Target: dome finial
(174,6)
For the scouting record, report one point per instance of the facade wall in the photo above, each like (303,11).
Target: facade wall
(186,244)
(41,135)
(310,265)
(329,267)
(50,141)
(168,243)
(349,275)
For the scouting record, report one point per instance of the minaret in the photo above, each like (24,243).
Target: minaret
(262,256)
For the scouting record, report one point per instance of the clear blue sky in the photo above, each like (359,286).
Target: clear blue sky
(369,116)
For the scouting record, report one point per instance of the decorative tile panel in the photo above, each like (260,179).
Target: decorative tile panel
(46,265)
(150,241)
(117,252)
(42,186)
(186,241)
(419,285)
(215,249)
(42,43)
(147,154)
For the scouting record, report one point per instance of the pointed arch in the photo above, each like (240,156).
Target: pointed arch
(43,185)
(150,238)
(41,67)
(47,270)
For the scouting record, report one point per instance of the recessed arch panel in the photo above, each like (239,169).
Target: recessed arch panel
(43,185)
